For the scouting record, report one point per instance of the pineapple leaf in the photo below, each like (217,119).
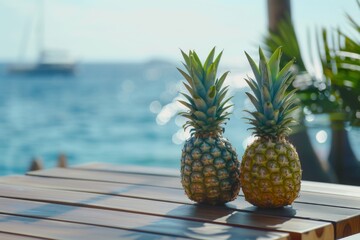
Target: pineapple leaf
(200,103)
(206,94)
(254,87)
(223,109)
(221,95)
(186,115)
(211,111)
(187,77)
(190,90)
(282,90)
(200,115)
(186,58)
(190,99)
(217,60)
(210,97)
(254,68)
(258,116)
(270,98)
(198,85)
(209,59)
(274,62)
(266,97)
(221,80)
(279,100)
(286,69)
(270,123)
(255,102)
(224,103)
(196,60)
(268,110)
(212,91)
(210,76)
(186,104)
(264,70)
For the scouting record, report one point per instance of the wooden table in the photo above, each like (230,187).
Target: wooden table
(102,201)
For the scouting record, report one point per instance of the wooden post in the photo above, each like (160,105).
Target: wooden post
(278,10)
(36,164)
(62,161)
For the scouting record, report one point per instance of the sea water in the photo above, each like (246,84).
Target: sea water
(122,113)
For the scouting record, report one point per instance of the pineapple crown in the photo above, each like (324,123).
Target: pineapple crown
(206,101)
(272,102)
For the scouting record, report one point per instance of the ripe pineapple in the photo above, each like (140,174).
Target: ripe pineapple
(209,164)
(270,168)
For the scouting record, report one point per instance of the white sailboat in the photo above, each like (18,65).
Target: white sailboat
(49,62)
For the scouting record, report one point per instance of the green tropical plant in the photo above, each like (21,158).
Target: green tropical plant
(340,58)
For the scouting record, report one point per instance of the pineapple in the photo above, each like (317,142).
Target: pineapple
(270,168)
(209,164)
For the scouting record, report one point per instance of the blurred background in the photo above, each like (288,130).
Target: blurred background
(97,80)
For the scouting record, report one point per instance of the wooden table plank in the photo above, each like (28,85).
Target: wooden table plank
(298,228)
(10,236)
(105,189)
(353,237)
(345,221)
(121,189)
(331,188)
(342,218)
(106,167)
(174,182)
(307,186)
(115,177)
(329,200)
(128,221)
(50,229)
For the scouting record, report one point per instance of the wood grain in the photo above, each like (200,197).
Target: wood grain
(307,186)
(126,220)
(115,177)
(174,182)
(353,237)
(49,229)
(331,188)
(120,189)
(106,167)
(103,196)
(10,236)
(297,228)
(346,221)
(318,187)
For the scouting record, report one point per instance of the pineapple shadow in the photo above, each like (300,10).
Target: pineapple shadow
(262,218)
(47,210)
(197,221)
(287,211)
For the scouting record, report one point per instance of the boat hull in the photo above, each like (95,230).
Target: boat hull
(43,69)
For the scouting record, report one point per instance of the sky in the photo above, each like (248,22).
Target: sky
(140,30)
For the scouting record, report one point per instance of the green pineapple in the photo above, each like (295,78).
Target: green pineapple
(270,168)
(209,164)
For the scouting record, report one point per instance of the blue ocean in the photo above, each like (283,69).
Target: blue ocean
(122,113)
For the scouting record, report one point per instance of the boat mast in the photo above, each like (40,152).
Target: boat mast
(41,29)
(24,41)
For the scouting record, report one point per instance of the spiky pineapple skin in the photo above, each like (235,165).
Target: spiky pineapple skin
(210,170)
(270,173)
